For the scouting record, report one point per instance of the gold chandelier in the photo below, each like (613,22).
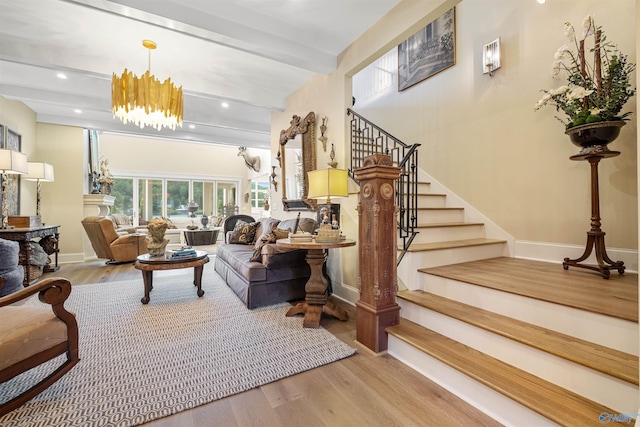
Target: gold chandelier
(144,100)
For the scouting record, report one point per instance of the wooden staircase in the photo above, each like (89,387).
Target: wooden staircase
(527,342)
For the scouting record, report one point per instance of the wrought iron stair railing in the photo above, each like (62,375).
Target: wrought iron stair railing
(366,139)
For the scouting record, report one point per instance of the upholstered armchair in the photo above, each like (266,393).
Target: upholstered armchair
(32,335)
(11,274)
(108,244)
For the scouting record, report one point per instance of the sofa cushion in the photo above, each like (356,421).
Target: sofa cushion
(269,238)
(264,229)
(275,256)
(238,257)
(305,224)
(244,233)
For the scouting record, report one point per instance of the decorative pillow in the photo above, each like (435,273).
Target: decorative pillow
(244,233)
(275,234)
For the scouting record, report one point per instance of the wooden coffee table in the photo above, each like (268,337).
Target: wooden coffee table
(316,288)
(148,264)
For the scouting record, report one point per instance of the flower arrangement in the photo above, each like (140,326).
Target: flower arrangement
(596,91)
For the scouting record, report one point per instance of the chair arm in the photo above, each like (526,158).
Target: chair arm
(53,290)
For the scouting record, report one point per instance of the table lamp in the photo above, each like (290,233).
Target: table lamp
(327,183)
(11,162)
(39,172)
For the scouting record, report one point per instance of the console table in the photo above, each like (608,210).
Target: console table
(48,236)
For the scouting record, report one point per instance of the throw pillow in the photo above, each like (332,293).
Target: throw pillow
(244,233)
(269,238)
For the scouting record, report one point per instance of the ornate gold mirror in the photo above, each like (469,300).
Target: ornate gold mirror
(297,156)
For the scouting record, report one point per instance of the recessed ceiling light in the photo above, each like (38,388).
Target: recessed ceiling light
(192,126)
(61,76)
(77,111)
(542,1)
(225,105)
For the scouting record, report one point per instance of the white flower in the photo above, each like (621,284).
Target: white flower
(578,92)
(594,111)
(569,32)
(587,27)
(562,89)
(542,102)
(559,55)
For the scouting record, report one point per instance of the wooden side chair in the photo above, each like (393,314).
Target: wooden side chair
(32,335)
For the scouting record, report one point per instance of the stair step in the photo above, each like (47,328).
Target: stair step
(448,224)
(549,400)
(603,359)
(573,288)
(421,247)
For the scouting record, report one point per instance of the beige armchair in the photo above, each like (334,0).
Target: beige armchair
(32,335)
(108,244)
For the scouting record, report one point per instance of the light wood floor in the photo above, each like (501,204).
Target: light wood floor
(362,390)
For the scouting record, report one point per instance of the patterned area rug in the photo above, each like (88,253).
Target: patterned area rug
(143,362)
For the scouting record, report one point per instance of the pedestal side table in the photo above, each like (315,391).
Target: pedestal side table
(316,288)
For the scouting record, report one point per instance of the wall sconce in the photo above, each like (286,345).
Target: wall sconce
(491,57)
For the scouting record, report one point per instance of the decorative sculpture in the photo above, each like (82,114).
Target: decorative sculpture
(323,129)
(157,244)
(252,162)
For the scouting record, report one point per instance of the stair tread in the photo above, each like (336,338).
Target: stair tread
(448,224)
(420,247)
(559,405)
(579,289)
(444,208)
(603,359)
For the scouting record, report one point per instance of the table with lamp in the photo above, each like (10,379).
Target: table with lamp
(25,229)
(325,183)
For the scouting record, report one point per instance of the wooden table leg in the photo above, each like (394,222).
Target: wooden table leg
(197,279)
(147,278)
(316,294)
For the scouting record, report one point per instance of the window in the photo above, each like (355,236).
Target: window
(146,198)
(150,203)
(177,198)
(123,192)
(259,192)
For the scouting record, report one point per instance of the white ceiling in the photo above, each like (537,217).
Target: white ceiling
(251,54)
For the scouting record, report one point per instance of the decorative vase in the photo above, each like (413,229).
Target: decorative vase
(593,138)
(204,220)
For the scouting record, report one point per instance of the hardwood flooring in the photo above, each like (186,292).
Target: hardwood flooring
(362,390)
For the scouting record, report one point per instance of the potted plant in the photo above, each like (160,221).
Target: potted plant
(596,89)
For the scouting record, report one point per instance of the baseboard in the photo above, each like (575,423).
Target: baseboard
(346,293)
(75,257)
(556,252)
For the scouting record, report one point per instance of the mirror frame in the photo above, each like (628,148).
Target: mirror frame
(306,128)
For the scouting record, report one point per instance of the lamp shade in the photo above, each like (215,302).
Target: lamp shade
(39,171)
(327,183)
(13,162)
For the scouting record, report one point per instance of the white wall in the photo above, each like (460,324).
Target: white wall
(480,136)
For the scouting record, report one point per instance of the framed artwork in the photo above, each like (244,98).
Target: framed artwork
(12,141)
(329,209)
(427,52)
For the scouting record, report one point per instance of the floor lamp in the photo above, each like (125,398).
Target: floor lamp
(39,172)
(11,162)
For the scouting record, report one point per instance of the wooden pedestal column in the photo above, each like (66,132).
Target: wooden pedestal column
(377,239)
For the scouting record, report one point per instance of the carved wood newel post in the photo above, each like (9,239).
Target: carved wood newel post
(377,239)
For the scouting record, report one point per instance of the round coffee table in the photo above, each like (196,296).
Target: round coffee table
(148,264)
